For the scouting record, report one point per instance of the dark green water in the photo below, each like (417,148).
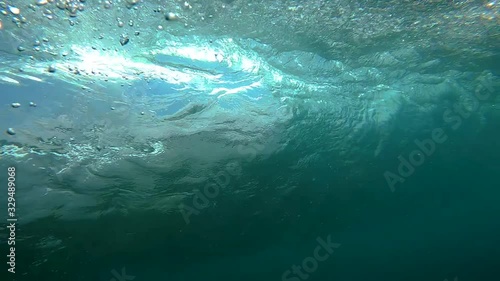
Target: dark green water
(440,223)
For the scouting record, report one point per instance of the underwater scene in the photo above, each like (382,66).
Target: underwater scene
(243,140)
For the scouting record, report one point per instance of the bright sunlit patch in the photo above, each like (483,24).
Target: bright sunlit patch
(225,91)
(1,25)
(224,53)
(9,80)
(119,67)
(84,63)
(196,53)
(249,65)
(277,77)
(33,78)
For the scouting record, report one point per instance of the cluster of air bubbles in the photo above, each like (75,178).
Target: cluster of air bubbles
(48,14)
(108,4)
(132,3)
(37,44)
(11,131)
(71,6)
(120,22)
(7,9)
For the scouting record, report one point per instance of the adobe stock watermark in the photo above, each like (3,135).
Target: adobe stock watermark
(202,199)
(425,148)
(310,264)
(121,277)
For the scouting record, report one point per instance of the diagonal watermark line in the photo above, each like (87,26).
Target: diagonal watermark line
(122,277)
(310,264)
(453,118)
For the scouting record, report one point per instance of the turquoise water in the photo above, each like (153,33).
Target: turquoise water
(250,140)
